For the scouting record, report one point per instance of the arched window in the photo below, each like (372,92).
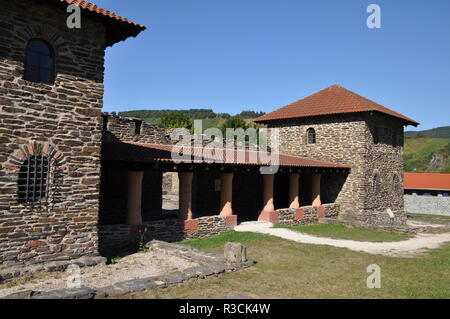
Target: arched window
(311,136)
(39,62)
(396,184)
(375,135)
(376,183)
(33,181)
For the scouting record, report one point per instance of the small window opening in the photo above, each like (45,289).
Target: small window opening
(33,180)
(376,135)
(39,62)
(311,136)
(105,119)
(137,127)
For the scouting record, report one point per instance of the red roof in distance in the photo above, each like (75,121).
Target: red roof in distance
(427,181)
(332,100)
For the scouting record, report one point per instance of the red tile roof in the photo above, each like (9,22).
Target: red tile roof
(332,100)
(427,181)
(149,153)
(117,27)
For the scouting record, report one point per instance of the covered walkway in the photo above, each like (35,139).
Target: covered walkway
(226,184)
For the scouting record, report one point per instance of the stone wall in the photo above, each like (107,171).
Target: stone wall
(60,120)
(116,239)
(123,129)
(307,215)
(433,205)
(349,139)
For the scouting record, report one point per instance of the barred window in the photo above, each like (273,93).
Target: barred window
(311,136)
(33,181)
(39,62)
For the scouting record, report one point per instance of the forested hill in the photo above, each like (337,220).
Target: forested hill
(208,116)
(439,132)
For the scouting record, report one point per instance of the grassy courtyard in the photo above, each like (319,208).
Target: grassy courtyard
(342,232)
(287,269)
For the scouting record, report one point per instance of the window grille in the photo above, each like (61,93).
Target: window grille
(34,180)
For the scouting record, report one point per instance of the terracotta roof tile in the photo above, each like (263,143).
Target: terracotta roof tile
(136,152)
(332,100)
(427,181)
(118,28)
(96,9)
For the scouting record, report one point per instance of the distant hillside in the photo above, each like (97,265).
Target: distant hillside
(208,116)
(427,155)
(439,132)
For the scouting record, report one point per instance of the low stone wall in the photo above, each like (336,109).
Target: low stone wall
(433,205)
(307,215)
(209,265)
(370,217)
(116,239)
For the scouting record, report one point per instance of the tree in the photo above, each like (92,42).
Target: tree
(173,119)
(234,122)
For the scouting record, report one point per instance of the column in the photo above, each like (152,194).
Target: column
(268,192)
(315,192)
(293,191)
(185,195)
(134,202)
(226,194)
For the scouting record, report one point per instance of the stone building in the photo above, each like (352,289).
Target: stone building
(427,193)
(51,98)
(77,182)
(342,127)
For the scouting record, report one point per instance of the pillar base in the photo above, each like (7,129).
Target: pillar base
(299,214)
(231,221)
(191,225)
(320,211)
(269,216)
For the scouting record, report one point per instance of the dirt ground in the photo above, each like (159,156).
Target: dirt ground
(139,265)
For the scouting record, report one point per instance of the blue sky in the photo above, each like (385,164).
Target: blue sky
(231,55)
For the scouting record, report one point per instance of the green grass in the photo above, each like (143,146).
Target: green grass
(418,153)
(428,215)
(287,269)
(353,233)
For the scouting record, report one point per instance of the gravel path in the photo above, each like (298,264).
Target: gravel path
(139,265)
(407,248)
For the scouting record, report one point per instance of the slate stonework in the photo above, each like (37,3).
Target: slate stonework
(115,239)
(64,115)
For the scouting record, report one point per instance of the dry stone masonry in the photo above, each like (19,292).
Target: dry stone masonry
(36,118)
